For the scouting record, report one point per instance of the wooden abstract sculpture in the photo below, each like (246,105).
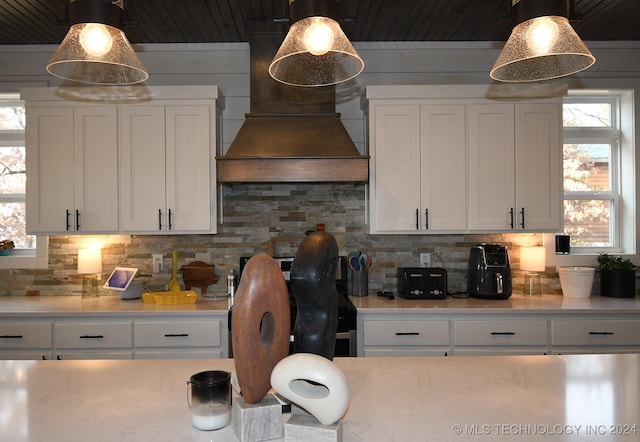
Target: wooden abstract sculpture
(313,283)
(260,325)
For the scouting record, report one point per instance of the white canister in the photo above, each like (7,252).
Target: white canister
(576,282)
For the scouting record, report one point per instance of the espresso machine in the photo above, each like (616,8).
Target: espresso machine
(489,272)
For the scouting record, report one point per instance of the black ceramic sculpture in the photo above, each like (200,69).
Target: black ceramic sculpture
(313,283)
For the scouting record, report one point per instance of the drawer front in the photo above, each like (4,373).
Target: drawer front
(595,332)
(25,335)
(177,334)
(526,332)
(93,335)
(405,333)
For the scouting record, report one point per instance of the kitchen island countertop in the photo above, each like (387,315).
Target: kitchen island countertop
(522,398)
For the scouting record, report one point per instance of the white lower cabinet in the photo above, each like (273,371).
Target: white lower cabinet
(178,339)
(115,336)
(500,336)
(595,336)
(26,340)
(405,332)
(397,337)
(93,340)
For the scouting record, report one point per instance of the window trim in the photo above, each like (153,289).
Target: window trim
(37,258)
(625,120)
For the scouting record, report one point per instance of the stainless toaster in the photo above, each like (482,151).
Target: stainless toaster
(422,282)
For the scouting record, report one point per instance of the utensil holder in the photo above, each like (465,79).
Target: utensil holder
(360,283)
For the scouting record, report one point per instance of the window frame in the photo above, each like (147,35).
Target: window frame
(37,258)
(623,168)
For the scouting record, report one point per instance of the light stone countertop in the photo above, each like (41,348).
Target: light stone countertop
(474,398)
(12,306)
(547,303)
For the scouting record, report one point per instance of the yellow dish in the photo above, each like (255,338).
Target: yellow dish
(183,297)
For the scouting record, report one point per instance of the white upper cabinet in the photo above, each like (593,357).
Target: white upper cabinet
(72,157)
(142,166)
(444,167)
(167,183)
(122,165)
(515,167)
(418,173)
(465,159)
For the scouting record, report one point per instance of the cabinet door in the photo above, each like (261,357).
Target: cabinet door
(142,168)
(395,175)
(491,167)
(188,164)
(595,333)
(443,168)
(26,340)
(50,169)
(538,166)
(96,169)
(92,335)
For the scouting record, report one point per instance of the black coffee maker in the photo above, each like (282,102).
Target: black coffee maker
(489,272)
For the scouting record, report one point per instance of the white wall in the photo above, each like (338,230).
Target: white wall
(227,66)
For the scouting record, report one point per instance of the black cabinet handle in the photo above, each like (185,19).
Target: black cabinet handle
(407,333)
(11,336)
(91,337)
(502,333)
(426,219)
(176,335)
(511,217)
(170,219)
(417,219)
(68,214)
(77,219)
(522,214)
(159,219)
(600,333)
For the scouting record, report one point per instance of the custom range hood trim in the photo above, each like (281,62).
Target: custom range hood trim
(292,134)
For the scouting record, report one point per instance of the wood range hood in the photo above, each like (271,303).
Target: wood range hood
(292,134)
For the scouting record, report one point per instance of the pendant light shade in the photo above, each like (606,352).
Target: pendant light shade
(95,50)
(315,52)
(542,46)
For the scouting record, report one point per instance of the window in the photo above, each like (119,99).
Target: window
(30,251)
(598,164)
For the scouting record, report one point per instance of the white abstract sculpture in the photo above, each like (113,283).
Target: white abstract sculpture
(314,383)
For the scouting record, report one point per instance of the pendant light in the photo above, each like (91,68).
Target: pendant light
(95,50)
(315,51)
(543,45)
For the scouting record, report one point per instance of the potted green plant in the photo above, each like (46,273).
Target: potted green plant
(6,246)
(617,276)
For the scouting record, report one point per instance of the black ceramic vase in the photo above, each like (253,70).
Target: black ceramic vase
(312,280)
(618,283)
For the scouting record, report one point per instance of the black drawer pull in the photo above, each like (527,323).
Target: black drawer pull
(11,336)
(176,335)
(91,337)
(407,333)
(503,333)
(600,333)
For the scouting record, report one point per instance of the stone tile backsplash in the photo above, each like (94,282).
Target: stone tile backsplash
(255,214)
